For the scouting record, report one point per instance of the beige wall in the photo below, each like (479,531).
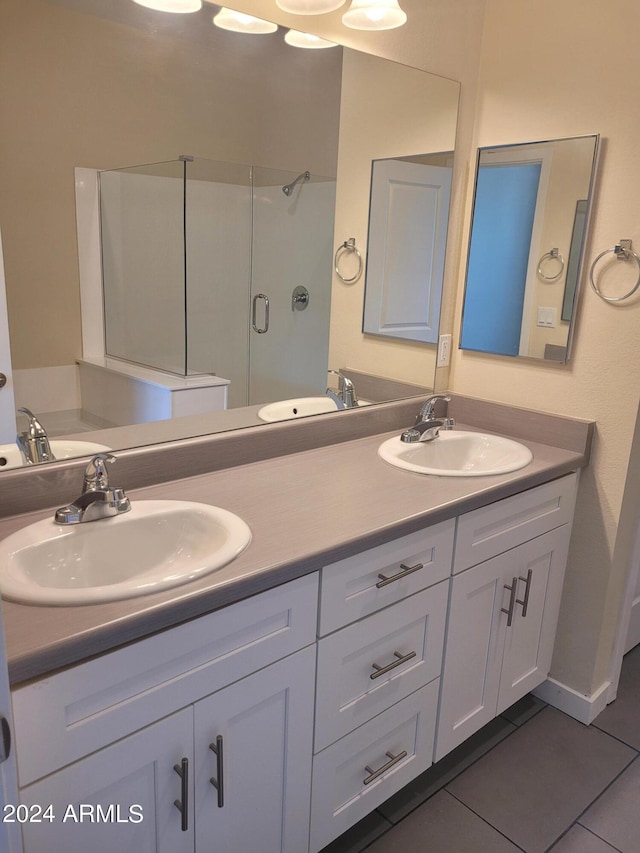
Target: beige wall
(550,70)
(76,90)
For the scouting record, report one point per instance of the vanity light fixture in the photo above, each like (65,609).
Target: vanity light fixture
(374,15)
(306,40)
(309,7)
(238,22)
(178,6)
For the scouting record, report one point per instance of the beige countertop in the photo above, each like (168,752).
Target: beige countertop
(305,510)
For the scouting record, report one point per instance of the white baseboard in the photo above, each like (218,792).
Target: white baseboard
(582,708)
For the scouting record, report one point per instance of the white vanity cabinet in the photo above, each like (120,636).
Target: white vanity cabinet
(276,723)
(186,688)
(382,623)
(503,612)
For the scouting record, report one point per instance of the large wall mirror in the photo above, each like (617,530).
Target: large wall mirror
(530,216)
(105,85)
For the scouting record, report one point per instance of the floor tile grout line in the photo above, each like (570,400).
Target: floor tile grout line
(595,799)
(615,737)
(604,840)
(484,820)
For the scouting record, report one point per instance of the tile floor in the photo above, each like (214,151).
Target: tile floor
(533,780)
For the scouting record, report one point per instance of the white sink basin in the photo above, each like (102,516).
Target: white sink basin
(457,453)
(10,456)
(300,407)
(155,546)
(63,449)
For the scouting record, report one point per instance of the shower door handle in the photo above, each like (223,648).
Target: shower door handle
(265,328)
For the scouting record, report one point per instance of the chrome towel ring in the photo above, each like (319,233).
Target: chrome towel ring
(553,255)
(623,252)
(348,246)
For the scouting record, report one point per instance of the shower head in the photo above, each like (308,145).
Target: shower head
(287,189)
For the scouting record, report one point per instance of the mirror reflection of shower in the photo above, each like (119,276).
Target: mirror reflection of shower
(287,189)
(187,244)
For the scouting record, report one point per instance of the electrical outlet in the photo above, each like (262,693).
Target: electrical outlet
(444,351)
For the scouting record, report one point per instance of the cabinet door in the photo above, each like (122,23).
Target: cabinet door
(261,729)
(489,663)
(473,656)
(539,568)
(120,798)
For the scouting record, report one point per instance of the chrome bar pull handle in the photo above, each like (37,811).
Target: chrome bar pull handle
(182,804)
(260,330)
(5,741)
(524,602)
(393,760)
(218,783)
(383,670)
(406,570)
(513,589)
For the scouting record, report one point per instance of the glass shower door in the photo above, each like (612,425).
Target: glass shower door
(218,264)
(292,248)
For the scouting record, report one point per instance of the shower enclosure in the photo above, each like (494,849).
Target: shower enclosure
(204,264)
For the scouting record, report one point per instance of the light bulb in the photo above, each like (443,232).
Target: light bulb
(374,15)
(238,22)
(178,6)
(309,7)
(297,39)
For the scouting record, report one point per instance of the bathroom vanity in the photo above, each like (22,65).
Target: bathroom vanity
(377,620)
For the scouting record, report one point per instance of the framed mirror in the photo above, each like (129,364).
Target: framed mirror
(530,218)
(103,85)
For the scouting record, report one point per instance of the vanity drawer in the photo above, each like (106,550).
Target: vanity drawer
(85,707)
(352,588)
(340,796)
(406,639)
(493,529)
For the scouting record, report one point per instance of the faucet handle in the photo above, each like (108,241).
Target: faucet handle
(428,407)
(96,477)
(35,427)
(346,388)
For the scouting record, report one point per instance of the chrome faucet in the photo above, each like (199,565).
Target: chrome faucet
(427,426)
(98,499)
(34,442)
(346,397)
